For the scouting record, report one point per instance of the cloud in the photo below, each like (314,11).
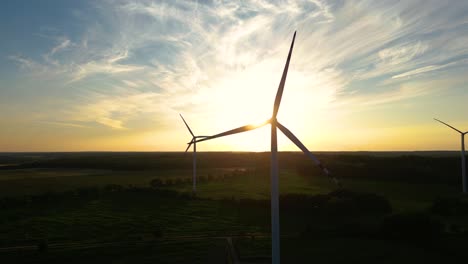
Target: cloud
(158,57)
(419,71)
(363,101)
(61,46)
(402,54)
(114,111)
(46,70)
(65,124)
(95,67)
(24,63)
(429,68)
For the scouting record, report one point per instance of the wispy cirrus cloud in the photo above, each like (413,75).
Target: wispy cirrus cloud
(131,60)
(115,111)
(61,46)
(108,65)
(430,68)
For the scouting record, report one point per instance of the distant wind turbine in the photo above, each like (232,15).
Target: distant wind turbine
(194,142)
(275,226)
(463,161)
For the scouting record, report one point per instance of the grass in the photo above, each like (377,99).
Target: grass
(202,251)
(136,216)
(365,250)
(125,215)
(404,196)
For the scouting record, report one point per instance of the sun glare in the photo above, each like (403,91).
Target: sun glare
(247,96)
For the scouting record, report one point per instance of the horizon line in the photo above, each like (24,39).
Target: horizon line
(215,151)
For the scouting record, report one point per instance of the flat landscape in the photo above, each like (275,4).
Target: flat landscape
(95,207)
(248,131)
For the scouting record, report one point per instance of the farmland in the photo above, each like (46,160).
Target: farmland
(138,207)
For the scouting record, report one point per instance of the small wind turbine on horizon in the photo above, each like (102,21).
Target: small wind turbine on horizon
(275,227)
(194,142)
(463,160)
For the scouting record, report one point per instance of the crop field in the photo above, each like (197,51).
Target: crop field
(138,208)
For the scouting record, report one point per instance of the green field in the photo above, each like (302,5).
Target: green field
(102,207)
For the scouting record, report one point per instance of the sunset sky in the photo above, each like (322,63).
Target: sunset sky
(114,75)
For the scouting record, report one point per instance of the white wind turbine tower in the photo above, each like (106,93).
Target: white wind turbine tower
(275,225)
(463,161)
(194,142)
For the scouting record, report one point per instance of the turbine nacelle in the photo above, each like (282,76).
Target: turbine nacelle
(194,141)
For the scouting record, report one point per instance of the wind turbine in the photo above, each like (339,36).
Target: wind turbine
(194,142)
(463,161)
(275,225)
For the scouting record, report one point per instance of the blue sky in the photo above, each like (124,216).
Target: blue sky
(113,75)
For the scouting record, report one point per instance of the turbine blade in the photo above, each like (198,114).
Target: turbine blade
(235,131)
(190,144)
(299,144)
(279,93)
(448,125)
(190,130)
